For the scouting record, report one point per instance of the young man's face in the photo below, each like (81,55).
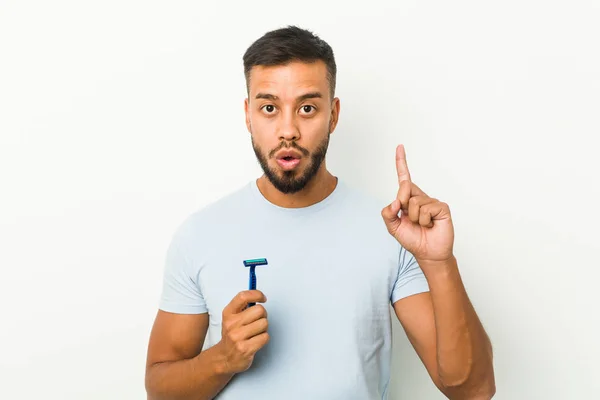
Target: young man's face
(290,114)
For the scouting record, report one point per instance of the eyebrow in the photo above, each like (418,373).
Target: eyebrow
(310,95)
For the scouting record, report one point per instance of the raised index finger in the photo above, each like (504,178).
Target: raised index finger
(401,165)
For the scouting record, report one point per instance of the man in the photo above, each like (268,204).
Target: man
(334,265)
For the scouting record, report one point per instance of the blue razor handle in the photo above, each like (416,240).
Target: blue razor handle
(252,280)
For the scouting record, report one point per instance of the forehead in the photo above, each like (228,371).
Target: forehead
(290,79)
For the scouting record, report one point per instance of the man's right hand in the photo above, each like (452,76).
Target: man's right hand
(243,330)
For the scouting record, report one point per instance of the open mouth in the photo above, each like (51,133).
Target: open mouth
(288,163)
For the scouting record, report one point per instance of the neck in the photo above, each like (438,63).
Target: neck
(315,191)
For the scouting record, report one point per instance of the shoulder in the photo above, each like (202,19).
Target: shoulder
(209,218)
(363,201)
(363,211)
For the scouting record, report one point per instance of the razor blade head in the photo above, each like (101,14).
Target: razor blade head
(255,262)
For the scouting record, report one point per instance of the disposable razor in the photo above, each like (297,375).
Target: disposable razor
(253,264)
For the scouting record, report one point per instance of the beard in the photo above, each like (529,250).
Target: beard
(289,182)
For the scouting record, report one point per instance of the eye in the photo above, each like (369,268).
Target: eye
(269,108)
(307,109)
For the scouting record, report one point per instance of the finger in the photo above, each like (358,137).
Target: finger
(406,191)
(401,165)
(437,210)
(414,206)
(425,216)
(416,191)
(390,213)
(390,216)
(404,194)
(255,343)
(255,328)
(252,314)
(241,300)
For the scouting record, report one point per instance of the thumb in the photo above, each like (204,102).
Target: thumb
(390,216)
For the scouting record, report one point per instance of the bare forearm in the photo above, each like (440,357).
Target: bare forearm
(201,377)
(464,353)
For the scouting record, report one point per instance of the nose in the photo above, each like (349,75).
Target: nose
(288,129)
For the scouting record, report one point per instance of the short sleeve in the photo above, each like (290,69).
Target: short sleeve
(410,280)
(181,294)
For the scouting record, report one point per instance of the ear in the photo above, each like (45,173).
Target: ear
(246,110)
(335,113)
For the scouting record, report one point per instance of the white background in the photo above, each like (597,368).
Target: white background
(120,118)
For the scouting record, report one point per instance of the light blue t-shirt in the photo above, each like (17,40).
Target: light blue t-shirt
(333,271)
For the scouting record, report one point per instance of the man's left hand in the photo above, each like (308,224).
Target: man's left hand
(424,227)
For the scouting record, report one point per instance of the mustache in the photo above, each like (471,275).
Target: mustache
(290,145)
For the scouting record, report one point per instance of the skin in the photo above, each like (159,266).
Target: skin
(279,118)
(441,324)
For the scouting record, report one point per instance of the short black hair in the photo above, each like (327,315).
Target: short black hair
(285,45)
